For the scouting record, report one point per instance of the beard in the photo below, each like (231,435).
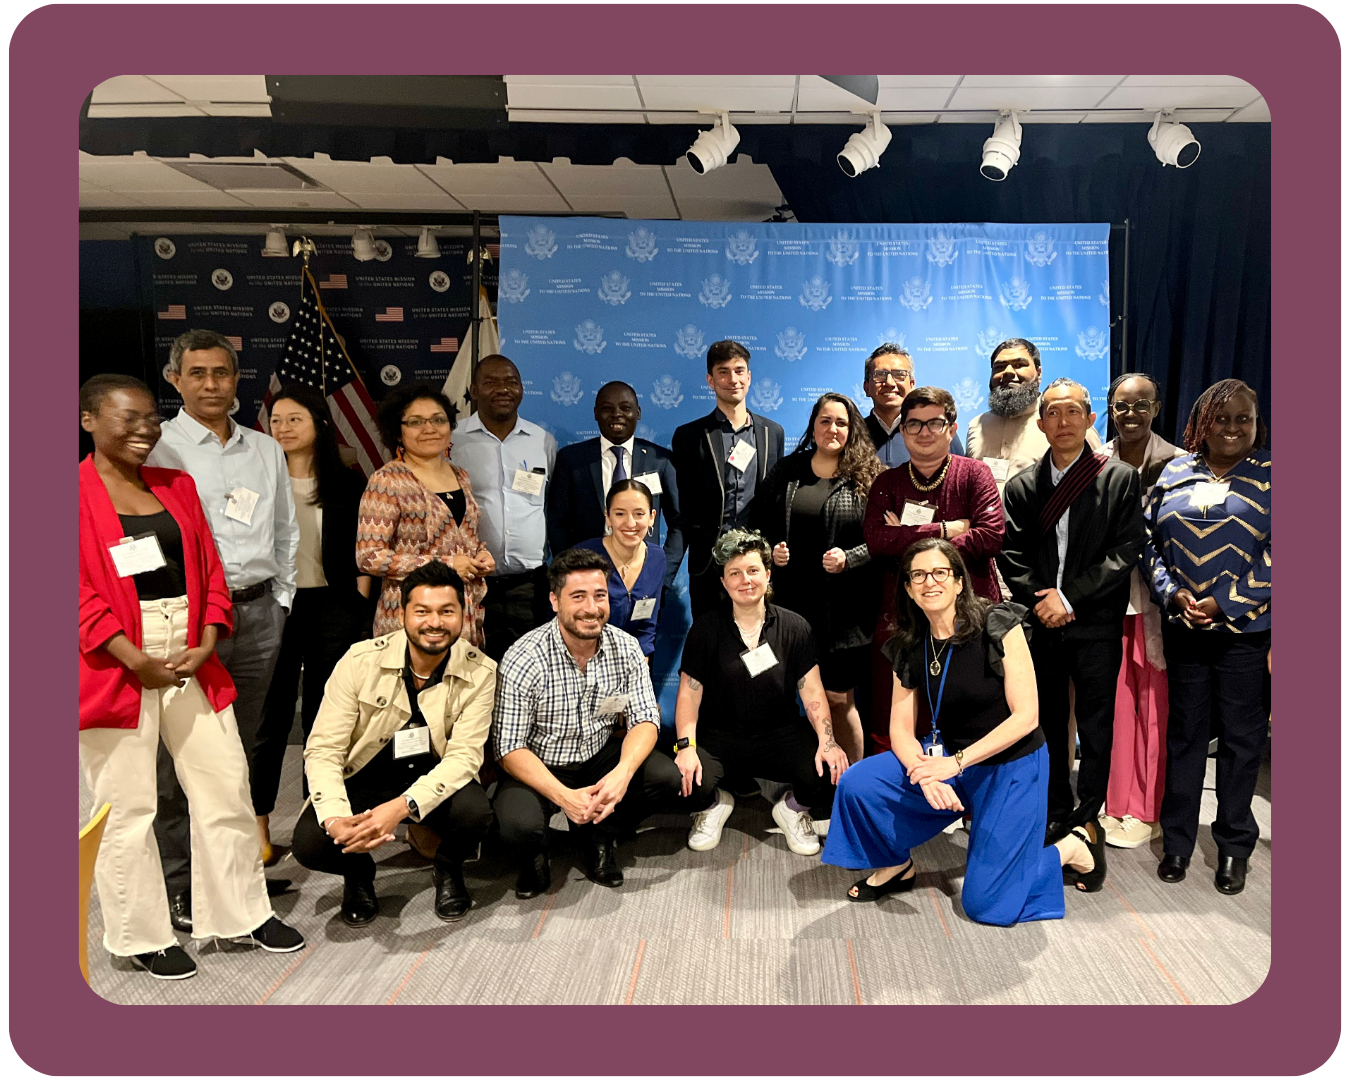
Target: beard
(1013,400)
(583,631)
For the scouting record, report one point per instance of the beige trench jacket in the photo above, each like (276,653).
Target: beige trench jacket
(366,701)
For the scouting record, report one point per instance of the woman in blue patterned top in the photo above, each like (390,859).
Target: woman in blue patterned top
(639,566)
(1207,559)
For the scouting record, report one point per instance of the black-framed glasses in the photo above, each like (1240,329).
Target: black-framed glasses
(881,378)
(1143,407)
(938,574)
(937,426)
(435,421)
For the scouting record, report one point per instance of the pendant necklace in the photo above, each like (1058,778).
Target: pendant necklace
(935,668)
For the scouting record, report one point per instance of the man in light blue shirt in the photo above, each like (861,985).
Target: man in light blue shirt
(245,489)
(510,463)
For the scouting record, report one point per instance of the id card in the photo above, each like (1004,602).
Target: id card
(999,467)
(757,661)
(528,483)
(643,608)
(652,480)
(239,505)
(615,703)
(411,741)
(741,455)
(935,750)
(917,513)
(1209,494)
(137,555)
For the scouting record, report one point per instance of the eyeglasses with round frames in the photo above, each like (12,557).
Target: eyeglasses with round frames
(937,426)
(435,421)
(1143,406)
(938,574)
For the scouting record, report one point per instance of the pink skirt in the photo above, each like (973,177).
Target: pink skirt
(1139,747)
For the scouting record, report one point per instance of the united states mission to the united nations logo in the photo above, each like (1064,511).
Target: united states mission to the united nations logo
(716,292)
(791,344)
(689,342)
(541,242)
(513,287)
(816,294)
(222,279)
(590,338)
(642,245)
(566,389)
(741,248)
(613,288)
(279,312)
(666,392)
(164,248)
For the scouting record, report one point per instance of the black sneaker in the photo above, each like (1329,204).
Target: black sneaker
(170,963)
(275,936)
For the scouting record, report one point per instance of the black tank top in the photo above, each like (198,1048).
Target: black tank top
(168,581)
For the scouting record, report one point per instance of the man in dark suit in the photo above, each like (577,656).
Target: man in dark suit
(720,462)
(584,472)
(888,376)
(1074,530)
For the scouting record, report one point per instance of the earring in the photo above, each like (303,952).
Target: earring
(448,446)
(398,454)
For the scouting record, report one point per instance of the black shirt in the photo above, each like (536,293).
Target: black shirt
(805,584)
(168,581)
(385,773)
(454,502)
(733,702)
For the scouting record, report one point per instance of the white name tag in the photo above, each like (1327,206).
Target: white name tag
(999,467)
(917,513)
(615,703)
(239,505)
(935,750)
(652,480)
(741,455)
(411,741)
(643,608)
(528,483)
(1209,494)
(137,555)
(758,661)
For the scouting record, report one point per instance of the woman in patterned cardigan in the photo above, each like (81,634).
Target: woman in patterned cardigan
(420,507)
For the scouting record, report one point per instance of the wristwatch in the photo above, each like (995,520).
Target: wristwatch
(960,765)
(684,744)
(412,808)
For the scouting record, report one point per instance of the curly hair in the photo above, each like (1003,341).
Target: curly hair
(736,542)
(858,462)
(389,418)
(1206,408)
(911,622)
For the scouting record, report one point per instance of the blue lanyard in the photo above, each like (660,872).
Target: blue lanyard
(928,689)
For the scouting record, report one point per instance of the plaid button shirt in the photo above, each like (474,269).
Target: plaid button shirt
(546,703)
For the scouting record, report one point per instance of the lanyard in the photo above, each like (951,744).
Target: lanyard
(928,689)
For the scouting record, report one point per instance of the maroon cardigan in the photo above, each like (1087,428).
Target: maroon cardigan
(110,694)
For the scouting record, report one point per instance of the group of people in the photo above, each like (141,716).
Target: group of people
(1122,589)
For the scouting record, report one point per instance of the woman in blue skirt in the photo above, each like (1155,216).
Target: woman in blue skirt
(964,738)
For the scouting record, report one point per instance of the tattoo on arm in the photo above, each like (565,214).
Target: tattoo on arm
(801,682)
(692,683)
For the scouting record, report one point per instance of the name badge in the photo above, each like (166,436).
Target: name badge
(643,608)
(741,455)
(917,513)
(935,750)
(652,480)
(137,555)
(411,741)
(528,483)
(1209,494)
(615,703)
(999,467)
(239,505)
(757,661)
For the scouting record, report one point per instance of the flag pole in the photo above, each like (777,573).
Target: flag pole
(477,310)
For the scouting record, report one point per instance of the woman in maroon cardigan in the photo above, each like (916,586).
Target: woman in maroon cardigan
(935,494)
(152,603)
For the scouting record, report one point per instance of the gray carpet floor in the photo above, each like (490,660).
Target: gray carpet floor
(746,923)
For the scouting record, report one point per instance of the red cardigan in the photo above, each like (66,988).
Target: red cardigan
(110,694)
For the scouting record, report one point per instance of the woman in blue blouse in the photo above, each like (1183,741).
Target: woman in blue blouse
(1208,563)
(639,566)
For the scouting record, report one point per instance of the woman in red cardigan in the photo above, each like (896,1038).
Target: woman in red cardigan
(152,603)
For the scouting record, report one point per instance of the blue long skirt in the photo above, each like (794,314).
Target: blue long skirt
(1011,876)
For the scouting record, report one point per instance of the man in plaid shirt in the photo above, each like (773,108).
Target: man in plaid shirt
(574,726)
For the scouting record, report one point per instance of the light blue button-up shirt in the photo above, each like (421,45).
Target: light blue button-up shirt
(1061,536)
(512,523)
(263,549)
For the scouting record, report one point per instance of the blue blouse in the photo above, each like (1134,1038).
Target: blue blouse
(1216,549)
(647,586)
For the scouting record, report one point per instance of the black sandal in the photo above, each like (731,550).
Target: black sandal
(1092,880)
(901,882)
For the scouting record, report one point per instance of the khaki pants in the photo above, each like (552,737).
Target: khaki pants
(229,894)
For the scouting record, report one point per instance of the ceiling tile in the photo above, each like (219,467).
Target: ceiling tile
(760,118)
(516,179)
(210,199)
(1027,97)
(911,98)
(1258,111)
(918,80)
(743,180)
(299,200)
(536,96)
(582,181)
(857,119)
(822,96)
(1146,116)
(133,173)
(1051,117)
(495,203)
(131,88)
(744,98)
(563,116)
(568,80)
(91,197)
(898,118)
(365,177)
(1184,80)
(1179,97)
(972,117)
(236,108)
(680,117)
(379,200)
(123,109)
(716,80)
(1041,80)
(215,87)
(652,206)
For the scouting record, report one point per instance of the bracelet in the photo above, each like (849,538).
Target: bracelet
(944,530)
(960,768)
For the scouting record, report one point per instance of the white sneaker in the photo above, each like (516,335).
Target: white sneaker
(797,828)
(821,827)
(1133,833)
(706,832)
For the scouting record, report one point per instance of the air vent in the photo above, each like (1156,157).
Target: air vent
(247,176)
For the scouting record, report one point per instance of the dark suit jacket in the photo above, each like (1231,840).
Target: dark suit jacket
(576,503)
(1106,535)
(696,450)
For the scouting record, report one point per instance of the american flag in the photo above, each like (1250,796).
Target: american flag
(334,281)
(237,342)
(447,344)
(390,314)
(176,311)
(315,357)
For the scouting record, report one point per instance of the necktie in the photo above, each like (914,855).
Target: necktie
(620,470)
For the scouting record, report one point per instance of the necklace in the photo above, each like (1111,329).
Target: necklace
(935,668)
(941,476)
(750,636)
(624,567)
(1220,475)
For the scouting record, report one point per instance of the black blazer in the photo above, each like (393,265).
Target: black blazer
(1106,536)
(576,501)
(696,450)
(341,514)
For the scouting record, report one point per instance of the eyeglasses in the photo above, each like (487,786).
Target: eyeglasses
(1143,406)
(435,421)
(937,426)
(881,378)
(938,574)
(131,419)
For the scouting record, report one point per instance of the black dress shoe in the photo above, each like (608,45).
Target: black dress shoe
(1055,831)
(1173,868)
(535,878)
(359,903)
(600,863)
(180,911)
(452,898)
(1231,876)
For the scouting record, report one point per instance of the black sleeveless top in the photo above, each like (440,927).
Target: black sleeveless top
(455,503)
(973,702)
(168,581)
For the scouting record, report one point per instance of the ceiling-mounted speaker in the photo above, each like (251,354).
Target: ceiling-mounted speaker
(866,87)
(475,102)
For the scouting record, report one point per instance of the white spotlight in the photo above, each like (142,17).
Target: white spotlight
(1002,148)
(1173,143)
(427,248)
(363,244)
(864,148)
(712,148)
(274,247)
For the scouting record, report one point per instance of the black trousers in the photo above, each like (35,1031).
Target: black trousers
(515,604)
(786,755)
(1207,672)
(1094,667)
(319,630)
(461,822)
(522,813)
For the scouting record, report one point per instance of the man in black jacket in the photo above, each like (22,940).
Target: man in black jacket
(584,472)
(888,376)
(1074,531)
(720,463)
